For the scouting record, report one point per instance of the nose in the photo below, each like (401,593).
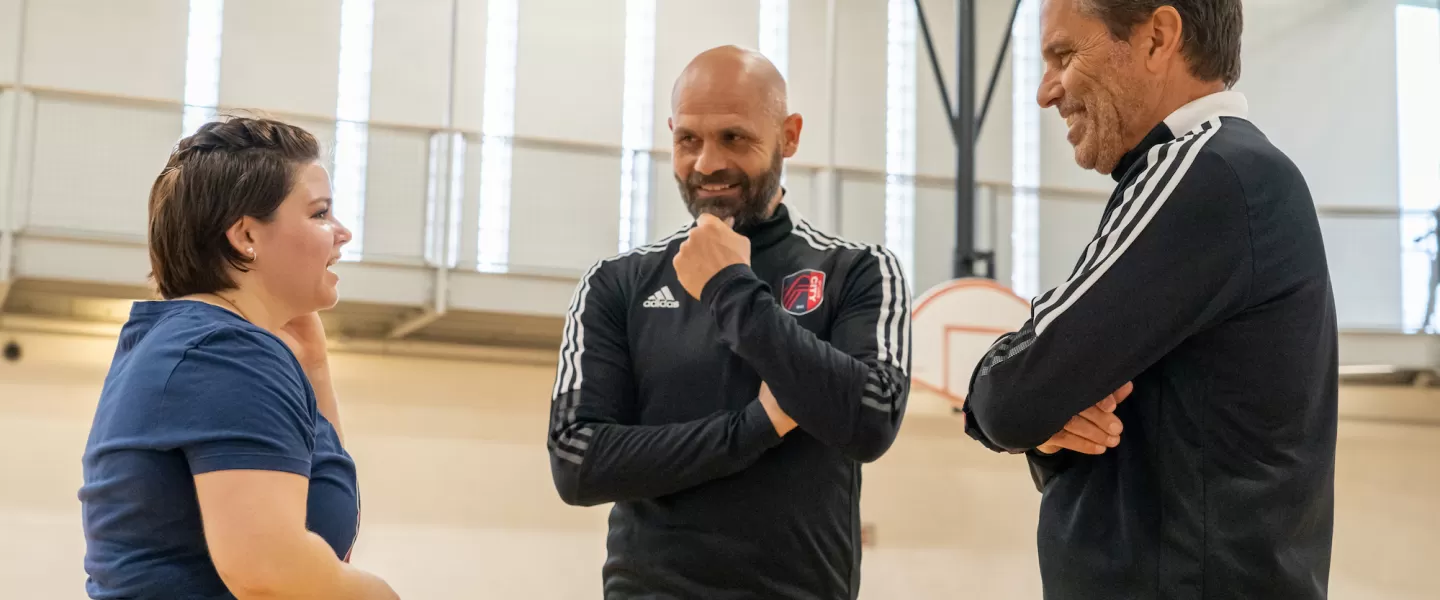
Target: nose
(710,160)
(342,234)
(1050,91)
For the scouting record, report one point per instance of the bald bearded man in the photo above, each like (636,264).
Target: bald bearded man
(723,386)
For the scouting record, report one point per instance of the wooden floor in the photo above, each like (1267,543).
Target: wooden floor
(459,502)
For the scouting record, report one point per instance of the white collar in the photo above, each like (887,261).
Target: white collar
(1228,103)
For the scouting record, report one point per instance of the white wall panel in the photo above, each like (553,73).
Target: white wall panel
(94,165)
(1365,270)
(570,74)
(860,85)
(934,144)
(934,236)
(800,192)
(7,155)
(564,222)
(395,202)
(9,39)
(131,48)
(806,79)
(281,55)
(410,68)
(1331,106)
(684,29)
(1066,225)
(862,210)
(470,65)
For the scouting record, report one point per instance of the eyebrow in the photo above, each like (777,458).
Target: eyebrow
(326,201)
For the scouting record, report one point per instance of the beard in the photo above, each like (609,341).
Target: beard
(749,206)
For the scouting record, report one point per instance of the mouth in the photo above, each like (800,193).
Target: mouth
(1074,125)
(331,263)
(711,190)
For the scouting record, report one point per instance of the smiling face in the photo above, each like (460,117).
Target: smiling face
(731,135)
(1096,83)
(295,249)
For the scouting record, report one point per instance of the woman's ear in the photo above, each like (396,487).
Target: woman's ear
(242,238)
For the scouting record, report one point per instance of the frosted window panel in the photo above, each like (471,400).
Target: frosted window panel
(860,101)
(395,208)
(934,141)
(410,71)
(131,48)
(571,70)
(9,39)
(805,79)
(94,164)
(1366,275)
(1067,224)
(934,236)
(775,33)
(862,211)
(470,24)
(685,29)
(562,223)
(667,206)
(282,56)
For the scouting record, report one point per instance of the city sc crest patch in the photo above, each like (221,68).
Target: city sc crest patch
(802,292)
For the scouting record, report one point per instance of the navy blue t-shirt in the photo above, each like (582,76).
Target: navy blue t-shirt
(194,388)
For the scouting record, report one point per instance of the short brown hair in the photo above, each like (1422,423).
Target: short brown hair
(239,167)
(1211,38)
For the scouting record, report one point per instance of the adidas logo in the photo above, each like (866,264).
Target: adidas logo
(661,299)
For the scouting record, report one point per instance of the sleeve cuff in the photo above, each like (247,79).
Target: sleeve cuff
(254,462)
(756,430)
(717,284)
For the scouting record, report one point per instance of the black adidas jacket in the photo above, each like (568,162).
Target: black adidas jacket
(655,409)
(1207,286)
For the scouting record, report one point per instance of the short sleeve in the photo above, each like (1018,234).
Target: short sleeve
(242,402)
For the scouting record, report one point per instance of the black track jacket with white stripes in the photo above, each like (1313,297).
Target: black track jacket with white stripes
(656,409)
(1207,286)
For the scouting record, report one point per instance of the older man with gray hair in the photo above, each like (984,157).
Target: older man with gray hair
(1206,286)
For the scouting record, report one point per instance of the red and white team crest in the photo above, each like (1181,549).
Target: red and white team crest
(802,292)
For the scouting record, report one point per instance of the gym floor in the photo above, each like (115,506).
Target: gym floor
(458,501)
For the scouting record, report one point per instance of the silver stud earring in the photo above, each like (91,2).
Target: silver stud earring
(251,252)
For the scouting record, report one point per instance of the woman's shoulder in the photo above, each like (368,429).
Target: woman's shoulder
(193,325)
(200,341)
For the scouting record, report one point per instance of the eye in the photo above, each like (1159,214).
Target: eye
(324,213)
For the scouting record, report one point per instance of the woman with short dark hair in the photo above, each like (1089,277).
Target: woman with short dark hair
(215,466)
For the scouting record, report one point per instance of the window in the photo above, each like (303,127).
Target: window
(775,33)
(202,63)
(502,34)
(1417,61)
(352,112)
(775,43)
(1025,148)
(637,122)
(900,132)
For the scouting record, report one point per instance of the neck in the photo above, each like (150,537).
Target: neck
(254,306)
(1175,93)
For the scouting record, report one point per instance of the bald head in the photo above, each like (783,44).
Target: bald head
(732,134)
(731,75)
